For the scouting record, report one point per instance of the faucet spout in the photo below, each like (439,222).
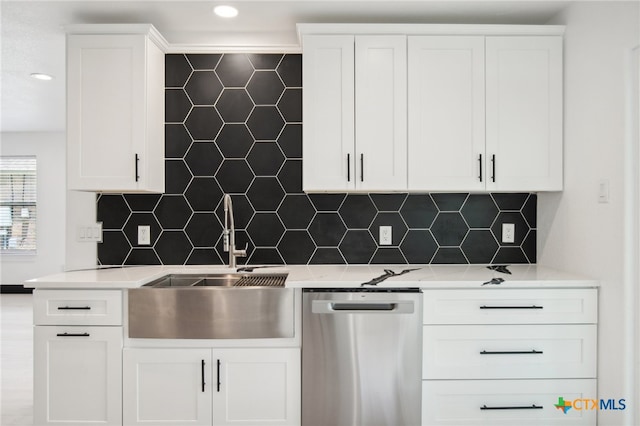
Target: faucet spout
(229,233)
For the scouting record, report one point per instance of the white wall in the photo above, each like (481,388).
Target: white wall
(575,232)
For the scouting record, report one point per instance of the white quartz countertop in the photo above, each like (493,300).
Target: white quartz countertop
(330,276)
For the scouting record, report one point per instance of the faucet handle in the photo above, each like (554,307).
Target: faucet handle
(242,252)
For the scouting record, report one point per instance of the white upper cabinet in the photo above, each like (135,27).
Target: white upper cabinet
(115,109)
(354,110)
(524,113)
(446,113)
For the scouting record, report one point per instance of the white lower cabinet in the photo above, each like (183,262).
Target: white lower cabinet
(247,386)
(78,375)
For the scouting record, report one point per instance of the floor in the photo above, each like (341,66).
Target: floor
(16,359)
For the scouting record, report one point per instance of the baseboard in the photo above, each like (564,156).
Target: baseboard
(14,289)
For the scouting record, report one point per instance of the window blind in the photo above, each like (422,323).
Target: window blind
(18,204)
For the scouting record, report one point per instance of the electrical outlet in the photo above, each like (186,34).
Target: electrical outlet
(144,235)
(385,235)
(508,232)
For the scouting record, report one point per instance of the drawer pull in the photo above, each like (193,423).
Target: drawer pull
(512,307)
(74,308)
(516,407)
(511,352)
(73,334)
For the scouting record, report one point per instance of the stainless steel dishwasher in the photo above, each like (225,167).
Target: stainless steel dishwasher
(361,357)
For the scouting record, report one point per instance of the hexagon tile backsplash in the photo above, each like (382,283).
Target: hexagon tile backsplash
(234,125)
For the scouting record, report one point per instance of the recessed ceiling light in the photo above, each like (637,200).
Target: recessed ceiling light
(41,76)
(225,11)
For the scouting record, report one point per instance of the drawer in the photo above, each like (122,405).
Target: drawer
(511,306)
(505,402)
(509,351)
(77,307)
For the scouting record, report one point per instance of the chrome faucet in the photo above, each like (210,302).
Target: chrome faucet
(229,233)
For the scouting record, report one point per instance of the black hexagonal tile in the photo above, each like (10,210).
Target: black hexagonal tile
(176,140)
(242,211)
(398,227)
(234,176)
(290,105)
(418,246)
(142,256)
(234,70)
(510,201)
(203,194)
(114,248)
(479,211)
(176,105)
(449,229)
(508,255)
(176,70)
(234,105)
(449,255)
(265,88)
(521,227)
(264,61)
(265,159)
(204,256)
(204,61)
(234,140)
(265,256)
(327,256)
(529,246)
(388,255)
(203,229)
(290,140)
(530,210)
(296,247)
(418,211)
(290,176)
(388,202)
(327,229)
(172,212)
(449,202)
(142,202)
(296,211)
(203,123)
(176,177)
(479,246)
(327,202)
(265,229)
(203,88)
(113,211)
(265,194)
(173,248)
(290,70)
(137,219)
(357,211)
(265,123)
(357,246)
(203,159)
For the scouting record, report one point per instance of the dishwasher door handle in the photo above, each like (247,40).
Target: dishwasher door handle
(355,307)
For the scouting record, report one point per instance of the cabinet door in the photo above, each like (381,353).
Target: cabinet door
(167,387)
(524,113)
(381,109)
(328,110)
(257,387)
(78,375)
(446,113)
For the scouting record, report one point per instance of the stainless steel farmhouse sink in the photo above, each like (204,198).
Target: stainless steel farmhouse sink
(212,306)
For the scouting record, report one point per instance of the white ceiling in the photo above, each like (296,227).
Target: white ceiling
(32,35)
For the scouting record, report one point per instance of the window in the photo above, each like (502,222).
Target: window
(17,204)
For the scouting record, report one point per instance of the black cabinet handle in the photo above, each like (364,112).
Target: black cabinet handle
(74,308)
(202,375)
(480,167)
(493,168)
(73,335)
(348,167)
(512,307)
(218,375)
(534,352)
(361,167)
(137,174)
(515,407)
